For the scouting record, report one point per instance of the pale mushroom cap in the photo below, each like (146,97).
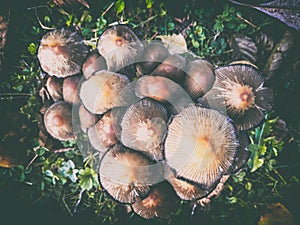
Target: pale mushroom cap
(54,88)
(124,173)
(86,118)
(70,89)
(58,121)
(200,145)
(94,62)
(101,91)
(62,52)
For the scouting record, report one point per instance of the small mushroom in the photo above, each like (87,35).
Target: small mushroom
(62,52)
(120,46)
(104,134)
(154,53)
(58,121)
(200,145)
(143,126)
(239,88)
(71,88)
(200,78)
(101,91)
(54,88)
(94,62)
(172,67)
(86,118)
(161,202)
(123,174)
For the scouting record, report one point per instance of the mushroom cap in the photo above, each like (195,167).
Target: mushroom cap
(200,78)
(243,153)
(143,126)
(104,134)
(120,46)
(86,118)
(172,67)
(161,202)
(239,90)
(54,88)
(123,174)
(58,121)
(62,52)
(101,91)
(200,145)
(94,62)
(70,89)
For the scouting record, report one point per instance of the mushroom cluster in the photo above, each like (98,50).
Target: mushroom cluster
(168,127)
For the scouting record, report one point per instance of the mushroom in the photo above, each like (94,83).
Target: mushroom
(104,134)
(94,62)
(164,90)
(143,126)
(120,46)
(239,89)
(70,89)
(200,78)
(161,202)
(123,174)
(172,67)
(86,118)
(200,145)
(243,153)
(54,88)
(58,121)
(154,53)
(62,52)
(101,91)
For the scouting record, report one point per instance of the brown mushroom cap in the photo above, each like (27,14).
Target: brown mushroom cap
(86,118)
(200,145)
(200,78)
(120,46)
(94,62)
(101,91)
(161,202)
(143,126)
(62,52)
(123,174)
(58,121)
(54,88)
(104,134)
(71,88)
(239,89)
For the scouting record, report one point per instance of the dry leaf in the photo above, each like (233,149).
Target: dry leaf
(175,43)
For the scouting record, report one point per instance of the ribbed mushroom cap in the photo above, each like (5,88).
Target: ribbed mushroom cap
(163,90)
(172,67)
(94,62)
(200,78)
(123,174)
(161,202)
(101,91)
(71,89)
(120,46)
(54,88)
(58,121)
(104,134)
(243,153)
(143,126)
(239,88)
(62,52)
(200,145)
(86,118)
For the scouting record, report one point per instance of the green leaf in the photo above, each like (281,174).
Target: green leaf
(119,6)
(32,48)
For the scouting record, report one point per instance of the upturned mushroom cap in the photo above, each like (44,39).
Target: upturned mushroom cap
(62,52)
(71,89)
(54,88)
(94,62)
(172,67)
(200,145)
(86,118)
(58,121)
(104,134)
(120,46)
(143,126)
(200,78)
(123,174)
(239,89)
(161,202)
(101,91)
